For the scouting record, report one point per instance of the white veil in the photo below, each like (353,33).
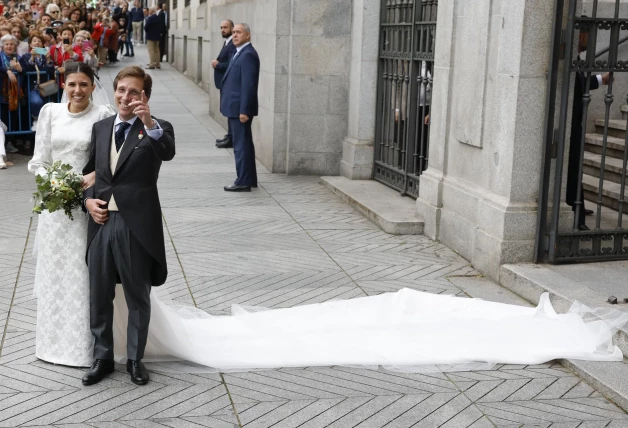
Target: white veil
(99,96)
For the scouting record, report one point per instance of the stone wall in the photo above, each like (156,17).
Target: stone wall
(304,48)
(478,195)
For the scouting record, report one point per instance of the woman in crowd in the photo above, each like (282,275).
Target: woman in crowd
(22,45)
(89,22)
(54,11)
(75,16)
(11,67)
(35,61)
(90,58)
(64,51)
(50,37)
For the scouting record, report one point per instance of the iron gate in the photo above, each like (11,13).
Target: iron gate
(586,144)
(406,59)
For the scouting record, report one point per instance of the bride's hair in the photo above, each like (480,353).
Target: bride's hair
(80,67)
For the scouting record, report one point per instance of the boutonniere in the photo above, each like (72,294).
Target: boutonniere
(141,135)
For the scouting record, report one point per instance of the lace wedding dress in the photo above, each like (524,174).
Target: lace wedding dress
(61,276)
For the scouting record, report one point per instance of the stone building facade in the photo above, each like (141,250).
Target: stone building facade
(319,104)
(305,52)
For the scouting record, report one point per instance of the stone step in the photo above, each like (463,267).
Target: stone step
(613,167)
(616,127)
(614,146)
(389,210)
(580,282)
(624,111)
(610,192)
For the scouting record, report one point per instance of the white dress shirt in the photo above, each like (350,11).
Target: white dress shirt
(154,133)
(239,48)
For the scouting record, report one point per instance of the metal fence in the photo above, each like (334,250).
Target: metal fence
(20,121)
(586,148)
(406,64)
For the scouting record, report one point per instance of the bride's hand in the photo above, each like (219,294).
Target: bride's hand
(89,180)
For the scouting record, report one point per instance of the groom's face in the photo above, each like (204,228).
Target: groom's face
(129,89)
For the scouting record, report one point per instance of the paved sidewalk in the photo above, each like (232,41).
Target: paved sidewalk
(289,242)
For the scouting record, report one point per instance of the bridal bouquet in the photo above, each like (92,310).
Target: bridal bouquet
(60,188)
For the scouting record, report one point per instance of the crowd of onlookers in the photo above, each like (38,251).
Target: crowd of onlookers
(40,38)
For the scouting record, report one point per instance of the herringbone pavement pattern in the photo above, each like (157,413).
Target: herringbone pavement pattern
(289,242)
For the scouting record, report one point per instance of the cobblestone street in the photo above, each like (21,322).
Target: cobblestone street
(288,242)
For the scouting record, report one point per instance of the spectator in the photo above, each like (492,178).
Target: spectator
(137,19)
(163,16)
(153,29)
(75,16)
(98,35)
(123,38)
(53,11)
(12,79)
(111,39)
(50,37)
(22,47)
(37,62)
(64,51)
(46,20)
(90,58)
(65,13)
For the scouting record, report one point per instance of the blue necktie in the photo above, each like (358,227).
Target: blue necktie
(122,127)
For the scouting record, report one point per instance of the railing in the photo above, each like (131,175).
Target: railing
(21,125)
(608,48)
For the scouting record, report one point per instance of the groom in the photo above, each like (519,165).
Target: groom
(125,239)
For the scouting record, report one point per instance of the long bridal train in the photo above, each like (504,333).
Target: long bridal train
(407,330)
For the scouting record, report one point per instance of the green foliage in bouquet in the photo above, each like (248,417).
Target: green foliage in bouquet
(59,189)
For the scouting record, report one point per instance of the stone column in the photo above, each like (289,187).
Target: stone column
(357,148)
(479,194)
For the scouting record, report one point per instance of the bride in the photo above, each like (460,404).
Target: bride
(407,330)
(61,278)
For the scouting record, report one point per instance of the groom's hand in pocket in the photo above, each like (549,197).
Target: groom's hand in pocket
(100,215)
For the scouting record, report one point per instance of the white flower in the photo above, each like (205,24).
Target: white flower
(54,182)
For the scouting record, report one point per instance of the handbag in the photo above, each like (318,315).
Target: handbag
(48,88)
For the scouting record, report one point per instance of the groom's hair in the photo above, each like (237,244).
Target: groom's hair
(135,71)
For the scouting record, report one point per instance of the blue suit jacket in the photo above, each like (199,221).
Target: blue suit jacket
(226,53)
(238,94)
(154,27)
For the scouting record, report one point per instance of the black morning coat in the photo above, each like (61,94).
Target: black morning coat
(134,185)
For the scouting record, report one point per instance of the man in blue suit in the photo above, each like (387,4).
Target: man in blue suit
(238,102)
(154,28)
(220,65)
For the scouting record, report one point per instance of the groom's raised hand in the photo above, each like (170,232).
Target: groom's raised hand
(100,215)
(142,110)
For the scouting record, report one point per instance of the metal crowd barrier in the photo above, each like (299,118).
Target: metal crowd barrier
(23,126)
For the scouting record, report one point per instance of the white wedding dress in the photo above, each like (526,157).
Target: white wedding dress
(61,277)
(407,330)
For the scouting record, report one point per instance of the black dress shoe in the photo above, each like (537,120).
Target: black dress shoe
(583,227)
(220,140)
(236,188)
(588,212)
(98,371)
(225,144)
(139,374)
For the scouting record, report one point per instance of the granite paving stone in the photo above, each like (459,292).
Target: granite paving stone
(289,242)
